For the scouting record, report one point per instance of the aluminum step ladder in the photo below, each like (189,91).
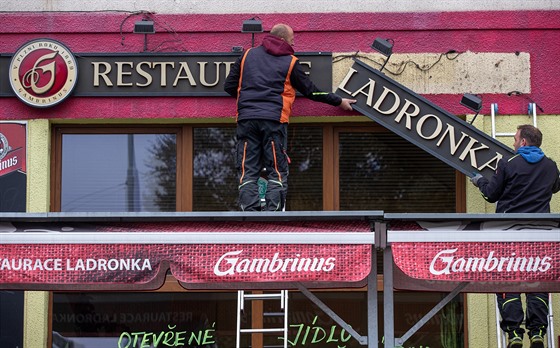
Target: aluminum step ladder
(532,111)
(281,296)
(502,337)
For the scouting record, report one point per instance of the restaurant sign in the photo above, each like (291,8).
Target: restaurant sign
(416,119)
(43,72)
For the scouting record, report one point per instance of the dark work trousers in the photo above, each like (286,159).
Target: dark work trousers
(511,311)
(261,144)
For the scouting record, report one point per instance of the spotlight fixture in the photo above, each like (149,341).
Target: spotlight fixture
(252,26)
(472,102)
(384,47)
(145,27)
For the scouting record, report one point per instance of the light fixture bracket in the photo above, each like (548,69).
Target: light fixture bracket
(382,46)
(252,26)
(144,27)
(472,102)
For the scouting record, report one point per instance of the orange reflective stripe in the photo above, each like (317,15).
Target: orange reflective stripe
(243,163)
(288,95)
(275,164)
(242,65)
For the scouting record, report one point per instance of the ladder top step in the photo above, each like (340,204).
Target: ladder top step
(262,330)
(262,296)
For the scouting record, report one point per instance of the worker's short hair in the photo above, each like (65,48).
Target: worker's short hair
(531,134)
(280,30)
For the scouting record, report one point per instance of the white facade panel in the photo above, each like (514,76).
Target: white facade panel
(287,6)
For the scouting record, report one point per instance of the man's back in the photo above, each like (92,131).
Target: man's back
(521,186)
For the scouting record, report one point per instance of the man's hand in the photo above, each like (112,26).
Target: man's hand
(475,179)
(346,104)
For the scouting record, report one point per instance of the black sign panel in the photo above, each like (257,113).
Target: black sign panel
(421,122)
(169,74)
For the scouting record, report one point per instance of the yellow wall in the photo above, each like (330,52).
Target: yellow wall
(38,166)
(36,303)
(481,307)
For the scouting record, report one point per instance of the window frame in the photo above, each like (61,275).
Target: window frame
(182,134)
(185,155)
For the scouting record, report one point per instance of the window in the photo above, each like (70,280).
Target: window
(214,173)
(208,319)
(188,167)
(378,170)
(192,168)
(118,171)
(215,176)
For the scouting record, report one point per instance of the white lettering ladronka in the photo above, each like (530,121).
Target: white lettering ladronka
(423,124)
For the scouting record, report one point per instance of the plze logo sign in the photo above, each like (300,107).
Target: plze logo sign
(7,163)
(5,148)
(43,73)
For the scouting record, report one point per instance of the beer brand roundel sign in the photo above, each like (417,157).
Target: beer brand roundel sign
(43,72)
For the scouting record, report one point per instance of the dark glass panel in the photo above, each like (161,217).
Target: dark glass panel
(118,172)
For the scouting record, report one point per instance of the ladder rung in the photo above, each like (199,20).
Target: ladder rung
(273,314)
(262,296)
(262,330)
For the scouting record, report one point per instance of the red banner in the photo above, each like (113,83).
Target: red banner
(56,263)
(140,264)
(507,265)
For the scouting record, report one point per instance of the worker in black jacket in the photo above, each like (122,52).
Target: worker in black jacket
(264,80)
(523,184)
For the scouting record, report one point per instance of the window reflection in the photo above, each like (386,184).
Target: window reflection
(381,171)
(118,172)
(214,174)
(215,177)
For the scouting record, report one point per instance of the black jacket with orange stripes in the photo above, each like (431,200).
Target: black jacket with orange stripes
(265,79)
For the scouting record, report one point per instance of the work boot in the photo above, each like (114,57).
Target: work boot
(537,341)
(515,342)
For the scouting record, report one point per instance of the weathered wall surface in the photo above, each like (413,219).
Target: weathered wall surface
(506,57)
(286,6)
